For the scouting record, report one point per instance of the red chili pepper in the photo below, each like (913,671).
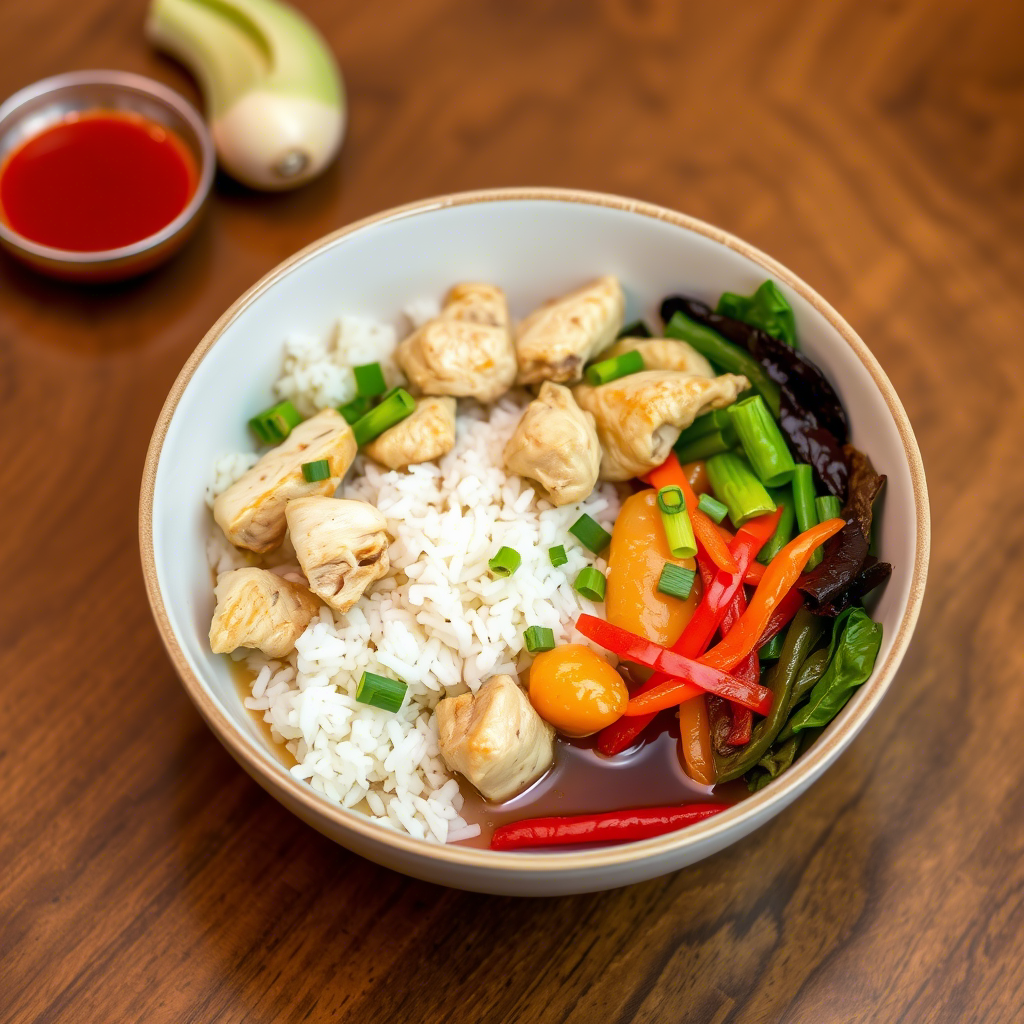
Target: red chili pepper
(749,669)
(611,827)
(687,671)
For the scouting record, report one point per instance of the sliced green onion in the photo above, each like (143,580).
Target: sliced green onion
(381,692)
(676,521)
(590,534)
(712,508)
(612,369)
(319,470)
(803,505)
(706,446)
(369,380)
(539,638)
(762,441)
(735,485)
(676,581)
(273,425)
(591,583)
(709,423)
(558,556)
(771,650)
(827,507)
(355,409)
(505,562)
(784,531)
(725,354)
(637,329)
(393,409)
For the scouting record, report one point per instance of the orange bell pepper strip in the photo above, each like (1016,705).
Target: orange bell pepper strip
(695,741)
(779,578)
(705,529)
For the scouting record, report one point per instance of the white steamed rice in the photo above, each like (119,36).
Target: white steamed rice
(438,620)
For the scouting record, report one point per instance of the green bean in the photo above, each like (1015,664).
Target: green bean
(725,354)
(804,632)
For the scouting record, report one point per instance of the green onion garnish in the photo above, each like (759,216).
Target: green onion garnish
(737,488)
(762,441)
(319,470)
(381,692)
(355,409)
(676,581)
(715,443)
(273,425)
(558,556)
(709,423)
(391,410)
(784,531)
(591,583)
(369,380)
(828,507)
(539,638)
(612,369)
(505,562)
(712,508)
(676,521)
(803,504)
(590,534)
(771,650)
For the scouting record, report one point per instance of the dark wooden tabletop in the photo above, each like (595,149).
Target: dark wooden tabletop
(878,150)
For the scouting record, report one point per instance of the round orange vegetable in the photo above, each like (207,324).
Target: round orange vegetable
(576,690)
(636,557)
(697,474)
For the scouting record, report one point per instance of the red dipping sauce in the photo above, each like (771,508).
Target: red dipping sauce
(96,180)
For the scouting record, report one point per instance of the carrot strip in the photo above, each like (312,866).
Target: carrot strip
(695,741)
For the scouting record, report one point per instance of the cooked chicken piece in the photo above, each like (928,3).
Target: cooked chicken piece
(251,510)
(341,546)
(555,341)
(639,417)
(556,444)
(256,608)
(663,354)
(495,738)
(426,434)
(467,351)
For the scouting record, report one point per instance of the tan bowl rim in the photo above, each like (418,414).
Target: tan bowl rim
(128,82)
(277,779)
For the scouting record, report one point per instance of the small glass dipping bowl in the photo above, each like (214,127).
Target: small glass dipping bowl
(45,103)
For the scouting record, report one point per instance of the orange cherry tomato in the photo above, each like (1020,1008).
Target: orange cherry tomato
(637,555)
(576,690)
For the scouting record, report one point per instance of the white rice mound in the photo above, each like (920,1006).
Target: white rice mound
(438,620)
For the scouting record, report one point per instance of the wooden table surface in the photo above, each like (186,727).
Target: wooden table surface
(877,149)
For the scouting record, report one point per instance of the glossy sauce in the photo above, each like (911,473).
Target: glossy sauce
(96,180)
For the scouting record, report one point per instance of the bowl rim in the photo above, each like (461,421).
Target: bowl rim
(760,805)
(128,82)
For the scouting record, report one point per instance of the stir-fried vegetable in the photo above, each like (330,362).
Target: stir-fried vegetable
(738,488)
(273,425)
(784,531)
(613,826)
(591,534)
(767,309)
(393,409)
(762,441)
(704,678)
(675,520)
(576,690)
(381,692)
(538,639)
(612,369)
(695,740)
(369,380)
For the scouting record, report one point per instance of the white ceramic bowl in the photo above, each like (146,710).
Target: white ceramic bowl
(535,243)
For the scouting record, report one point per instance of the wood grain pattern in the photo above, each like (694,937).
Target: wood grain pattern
(876,149)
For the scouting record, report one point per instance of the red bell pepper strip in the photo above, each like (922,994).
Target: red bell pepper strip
(779,577)
(611,827)
(705,529)
(749,540)
(704,679)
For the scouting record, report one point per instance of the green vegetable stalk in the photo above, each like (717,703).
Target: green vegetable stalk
(767,308)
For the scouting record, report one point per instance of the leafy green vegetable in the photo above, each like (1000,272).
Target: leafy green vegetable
(859,639)
(810,673)
(767,308)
